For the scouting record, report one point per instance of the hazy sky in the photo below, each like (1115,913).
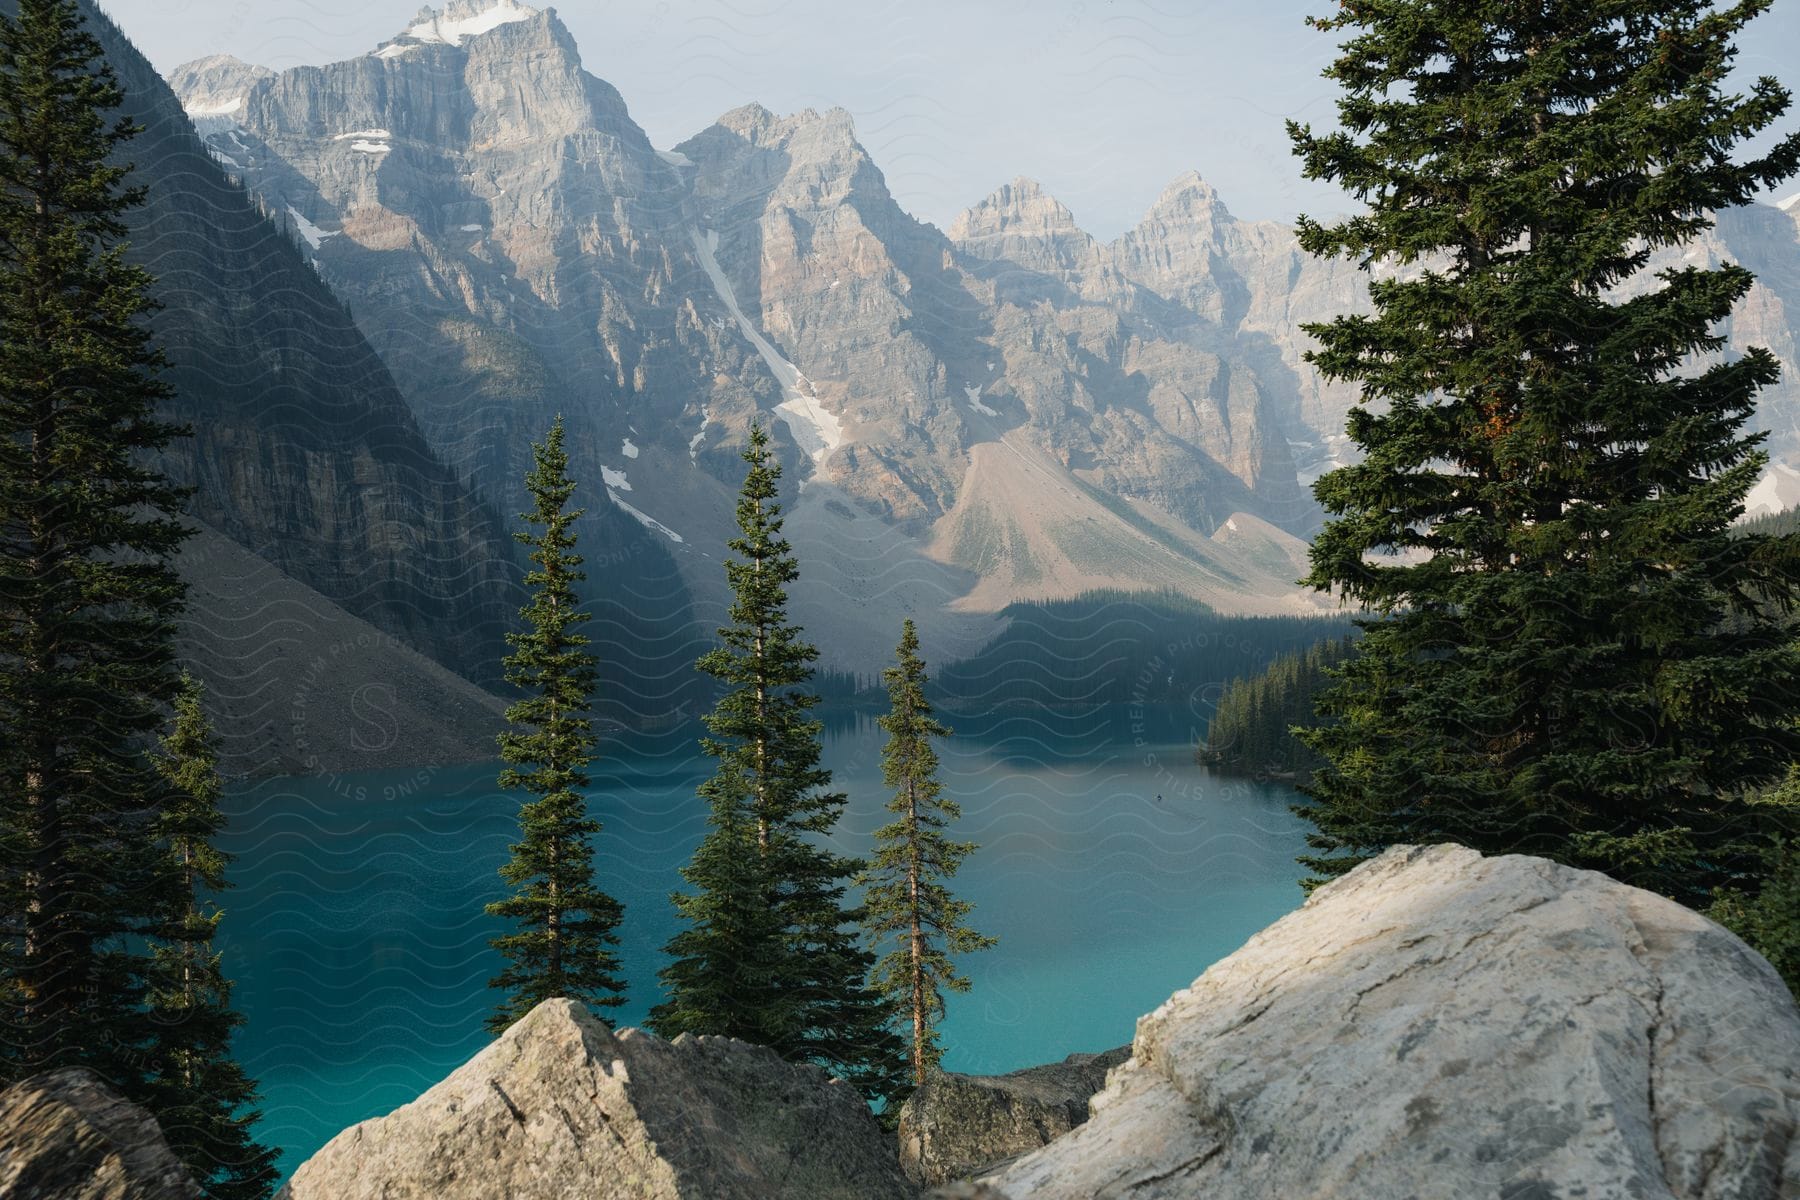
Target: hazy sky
(1104,101)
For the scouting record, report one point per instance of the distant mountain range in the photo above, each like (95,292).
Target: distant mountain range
(1008,409)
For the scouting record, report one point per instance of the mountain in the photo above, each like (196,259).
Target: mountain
(312,484)
(513,245)
(1008,410)
(303,451)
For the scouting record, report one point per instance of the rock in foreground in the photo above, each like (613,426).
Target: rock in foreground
(65,1135)
(1442,1025)
(560,1107)
(957,1126)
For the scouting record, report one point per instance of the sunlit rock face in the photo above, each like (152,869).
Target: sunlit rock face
(1436,1024)
(65,1135)
(561,1106)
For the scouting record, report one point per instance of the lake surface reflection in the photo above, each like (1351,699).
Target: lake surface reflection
(1112,869)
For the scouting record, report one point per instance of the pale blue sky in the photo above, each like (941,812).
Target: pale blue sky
(1104,101)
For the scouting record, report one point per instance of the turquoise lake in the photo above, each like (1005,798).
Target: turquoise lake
(1112,869)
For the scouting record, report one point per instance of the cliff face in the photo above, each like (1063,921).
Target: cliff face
(303,450)
(513,246)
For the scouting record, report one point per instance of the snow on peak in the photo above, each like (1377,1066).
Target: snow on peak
(1790,205)
(1778,489)
(465,21)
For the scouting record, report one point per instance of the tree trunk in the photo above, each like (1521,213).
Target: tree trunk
(918,936)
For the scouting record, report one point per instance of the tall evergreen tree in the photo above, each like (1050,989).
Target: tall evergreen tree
(87,595)
(568,924)
(1569,654)
(770,954)
(908,902)
(205,1101)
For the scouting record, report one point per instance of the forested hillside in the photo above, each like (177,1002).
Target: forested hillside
(1112,648)
(1249,733)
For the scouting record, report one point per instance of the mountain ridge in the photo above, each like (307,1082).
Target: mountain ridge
(513,244)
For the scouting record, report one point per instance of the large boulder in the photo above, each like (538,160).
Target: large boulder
(957,1126)
(562,1107)
(1441,1025)
(65,1135)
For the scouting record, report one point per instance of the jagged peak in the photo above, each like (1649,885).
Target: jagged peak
(218,62)
(1019,208)
(456,22)
(1189,192)
(758,126)
(215,86)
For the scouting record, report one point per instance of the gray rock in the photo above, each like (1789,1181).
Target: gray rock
(1439,1024)
(65,1135)
(561,1107)
(213,89)
(959,1126)
(304,453)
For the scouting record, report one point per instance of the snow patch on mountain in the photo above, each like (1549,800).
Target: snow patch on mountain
(628,449)
(614,479)
(441,27)
(645,519)
(815,430)
(694,442)
(974,395)
(1778,489)
(312,233)
(218,108)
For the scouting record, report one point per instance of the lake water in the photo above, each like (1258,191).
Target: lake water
(1112,869)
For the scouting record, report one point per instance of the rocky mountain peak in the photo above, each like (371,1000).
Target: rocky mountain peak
(1182,249)
(217,85)
(803,136)
(1016,209)
(1190,210)
(1025,225)
(1188,192)
(460,20)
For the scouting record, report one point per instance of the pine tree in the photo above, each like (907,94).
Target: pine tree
(1569,655)
(770,954)
(907,898)
(87,595)
(1766,912)
(205,1101)
(568,924)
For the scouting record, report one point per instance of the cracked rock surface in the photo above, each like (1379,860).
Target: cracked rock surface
(65,1135)
(562,1107)
(1439,1024)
